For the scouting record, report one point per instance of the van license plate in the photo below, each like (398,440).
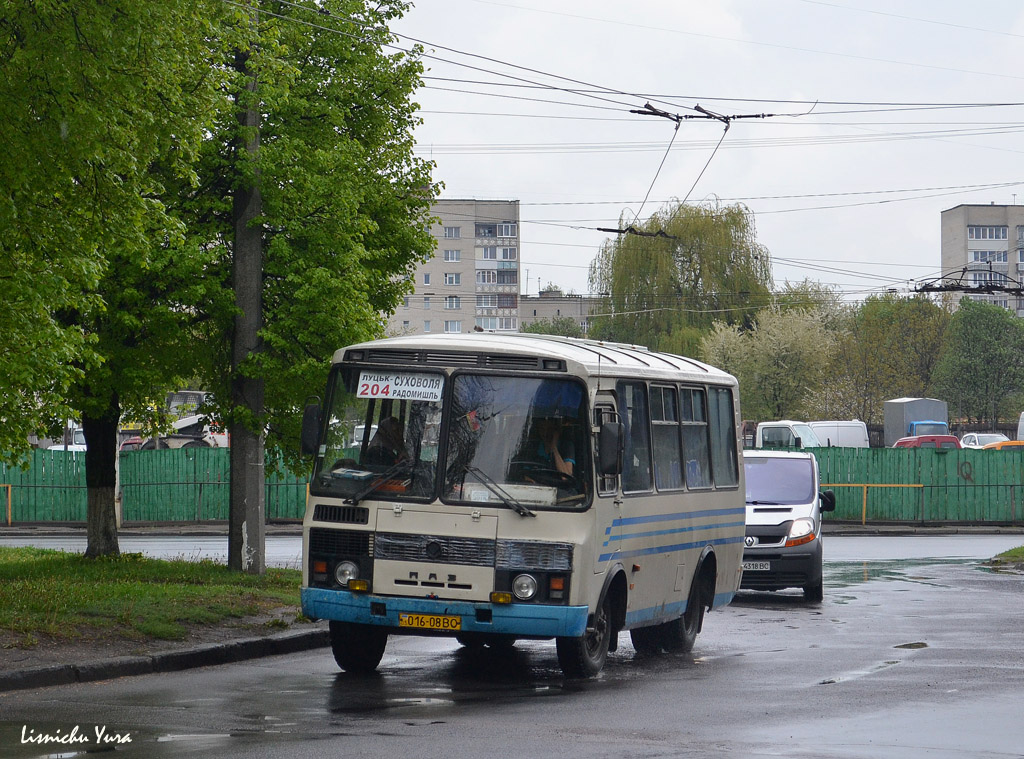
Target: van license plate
(430,621)
(757,566)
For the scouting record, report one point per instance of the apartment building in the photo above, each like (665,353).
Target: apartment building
(472,281)
(987,241)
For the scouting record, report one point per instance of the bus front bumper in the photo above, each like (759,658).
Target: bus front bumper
(522,619)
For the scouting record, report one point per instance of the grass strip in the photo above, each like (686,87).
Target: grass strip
(65,596)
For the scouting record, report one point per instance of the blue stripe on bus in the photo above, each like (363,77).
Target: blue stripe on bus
(668,549)
(676,516)
(656,533)
(541,620)
(668,612)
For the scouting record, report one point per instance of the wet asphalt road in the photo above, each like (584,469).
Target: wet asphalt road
(911,655)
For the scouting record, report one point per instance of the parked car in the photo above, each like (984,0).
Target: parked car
(785,433)
(981,439)
(1000,444)
(783,547)
(928,441)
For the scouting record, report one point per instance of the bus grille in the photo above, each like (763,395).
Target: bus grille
(323,512)
(472,552)
(340,542)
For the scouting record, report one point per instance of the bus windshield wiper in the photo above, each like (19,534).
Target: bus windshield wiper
(489,483)
(383,477)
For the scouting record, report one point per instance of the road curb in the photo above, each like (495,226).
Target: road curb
(165,661)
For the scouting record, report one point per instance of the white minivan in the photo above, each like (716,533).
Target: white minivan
(782,547)
(837,433)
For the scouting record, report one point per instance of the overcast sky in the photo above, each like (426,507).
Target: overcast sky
(886,114)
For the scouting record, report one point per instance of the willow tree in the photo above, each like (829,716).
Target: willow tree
(666,280)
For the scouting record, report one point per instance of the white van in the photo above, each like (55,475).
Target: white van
(841,434)
(785,433)
(783,533)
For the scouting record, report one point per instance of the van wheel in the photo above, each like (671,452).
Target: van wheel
(679,635)
(815,593)
(357,648)
(585,656)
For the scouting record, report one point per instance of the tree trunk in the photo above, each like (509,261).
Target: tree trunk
(101,481)
(246,539)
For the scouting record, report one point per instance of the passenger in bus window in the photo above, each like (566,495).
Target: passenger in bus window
(387,446)
(550,447)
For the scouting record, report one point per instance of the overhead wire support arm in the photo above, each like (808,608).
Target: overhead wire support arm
(957,282)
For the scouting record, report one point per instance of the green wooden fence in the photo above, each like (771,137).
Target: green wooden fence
(191,485)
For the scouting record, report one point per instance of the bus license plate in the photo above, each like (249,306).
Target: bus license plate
(757,566)
(430,621)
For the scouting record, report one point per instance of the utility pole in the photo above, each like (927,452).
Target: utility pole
(246,533)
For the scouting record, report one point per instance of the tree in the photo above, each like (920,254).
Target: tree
(779,362)
(90,90)
(981,371)
(680,270)
(342,219)
(97,93)
(565,326)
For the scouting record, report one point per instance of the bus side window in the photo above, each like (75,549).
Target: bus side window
(695,438)
(636,460)
(606,484)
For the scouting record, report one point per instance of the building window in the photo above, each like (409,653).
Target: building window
(489,254)
(405,324)
(507,301)
(405,301)
(995,256)
(986,233)
(453,255)
(486,230)
(508,277)
(509,254)
(452,233)
(452,278)
(426,325)
(452,302)
(426,303)
(426,278)
(507,230)
(487,322)
(453,325)
(487,301)
(508,322)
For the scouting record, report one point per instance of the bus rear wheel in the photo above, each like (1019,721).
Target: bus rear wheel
(680,635)
(357,648)
(585,656)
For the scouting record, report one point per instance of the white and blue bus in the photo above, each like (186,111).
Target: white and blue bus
(500,487)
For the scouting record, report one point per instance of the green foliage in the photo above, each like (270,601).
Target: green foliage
(779,362)
(64,595)
(565,326)
(93,93)
(981,371)
(345,203)
(691,265)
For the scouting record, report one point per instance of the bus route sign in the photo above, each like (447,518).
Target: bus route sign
(402,386)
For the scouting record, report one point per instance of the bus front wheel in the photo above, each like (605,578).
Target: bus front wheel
(357,648)
(584,656)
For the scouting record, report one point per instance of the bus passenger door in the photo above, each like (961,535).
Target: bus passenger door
(608,504)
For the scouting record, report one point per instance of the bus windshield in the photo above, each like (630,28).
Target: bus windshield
(517,438)
(382,434)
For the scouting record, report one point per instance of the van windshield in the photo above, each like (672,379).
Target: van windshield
(807,437)
(779,481)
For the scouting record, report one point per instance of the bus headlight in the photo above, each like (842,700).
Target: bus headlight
(345,571)
(524,587)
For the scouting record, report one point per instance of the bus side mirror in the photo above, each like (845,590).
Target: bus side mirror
(828,500)
(310,429)
(610,449)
